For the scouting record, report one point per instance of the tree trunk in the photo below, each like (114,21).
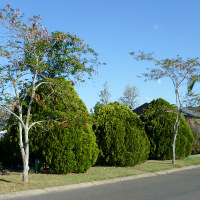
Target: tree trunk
(26,156)
(174,148)
(175,135)
(25,170)
(24,147)
(26,130)
(178,117)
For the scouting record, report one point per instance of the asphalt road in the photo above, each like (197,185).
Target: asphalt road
(184,185)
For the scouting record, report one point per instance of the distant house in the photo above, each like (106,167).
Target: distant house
(191,112)
(188,112)
(192,115)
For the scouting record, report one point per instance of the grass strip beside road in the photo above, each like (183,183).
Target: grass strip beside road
(12,181)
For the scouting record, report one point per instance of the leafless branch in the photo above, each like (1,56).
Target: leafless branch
(42,121)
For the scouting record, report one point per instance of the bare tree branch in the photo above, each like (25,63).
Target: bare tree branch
(18,118)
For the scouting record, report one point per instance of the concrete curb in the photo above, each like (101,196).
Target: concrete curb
(90,184)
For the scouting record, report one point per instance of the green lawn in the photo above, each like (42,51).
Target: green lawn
(12,181)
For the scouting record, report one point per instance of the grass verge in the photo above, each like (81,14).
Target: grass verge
(12,181)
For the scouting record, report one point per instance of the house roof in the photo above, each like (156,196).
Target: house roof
(139,109)
(191,111)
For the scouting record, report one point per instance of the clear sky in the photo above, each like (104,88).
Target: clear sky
(114,28)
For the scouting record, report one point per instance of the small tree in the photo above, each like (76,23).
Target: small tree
(179,71)
(31,57)
(105,95)
(129,97)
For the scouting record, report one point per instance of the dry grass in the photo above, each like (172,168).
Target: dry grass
(12,181)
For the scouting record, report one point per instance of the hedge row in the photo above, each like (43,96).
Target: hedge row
(118,136)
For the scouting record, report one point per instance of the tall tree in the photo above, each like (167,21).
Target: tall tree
(179,71)
(129,97)
(105,95)
(31,57)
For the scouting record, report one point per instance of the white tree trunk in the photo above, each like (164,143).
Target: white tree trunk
(26,169)
(178,117)
(174,145)
(24,148)
(26,156)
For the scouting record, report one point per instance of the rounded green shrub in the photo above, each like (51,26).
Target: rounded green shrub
(120,136)
(195,127)
(69,150)
(159,118)
(65,142)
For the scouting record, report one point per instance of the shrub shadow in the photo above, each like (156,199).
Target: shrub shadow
(3,180)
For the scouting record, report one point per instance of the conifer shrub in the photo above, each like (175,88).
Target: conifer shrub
(9,147)
(159,118)
(195,127)
(65,142)
(68,150)
(120,136)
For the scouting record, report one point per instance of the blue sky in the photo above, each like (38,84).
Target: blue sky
(114,28)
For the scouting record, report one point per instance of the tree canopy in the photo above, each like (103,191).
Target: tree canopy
(129,97)
(32,57)
(105,95)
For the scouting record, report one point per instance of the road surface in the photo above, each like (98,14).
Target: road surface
(184,185)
